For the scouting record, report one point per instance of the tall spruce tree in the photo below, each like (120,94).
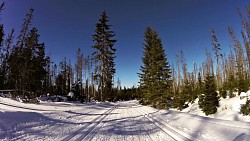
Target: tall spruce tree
(1,28)
(155,72)
(104,56)
(32,64)
(2,74)
(36,69)
(16,59)
(27,61)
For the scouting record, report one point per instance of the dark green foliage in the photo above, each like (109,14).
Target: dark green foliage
(60,85)
(179,102)
(223,93)
(125,93)
(61,78)
(24,67)
(24,63)
(245,108)
(187,95)
(27,64)
(1,26)
(188,92)
(201,85)
(210,100)
(104,55)
(230,85)
(2,73)
(242,84)
(155,73)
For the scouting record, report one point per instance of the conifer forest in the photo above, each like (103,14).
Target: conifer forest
(26,69)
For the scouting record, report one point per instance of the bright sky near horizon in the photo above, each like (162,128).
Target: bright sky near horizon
(65,25)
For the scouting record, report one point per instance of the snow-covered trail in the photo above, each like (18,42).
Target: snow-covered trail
(110,121)
(203,128)
(126,123)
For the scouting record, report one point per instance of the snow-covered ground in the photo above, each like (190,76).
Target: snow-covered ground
(229,108)
(119,121)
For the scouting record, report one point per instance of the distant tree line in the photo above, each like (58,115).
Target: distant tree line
(23,63)
(26,68)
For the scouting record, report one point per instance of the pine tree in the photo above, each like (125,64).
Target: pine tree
(239,53)
(38,62)
(79,65)
(210,100)
(104,56)
(4,67)
(155,72)
(16,60)
(27,65)
(186,93)
(230,83)
(218,55)
(200,85)
(1,29)
(70,76)
(246,32)
(2,72)
(5,48)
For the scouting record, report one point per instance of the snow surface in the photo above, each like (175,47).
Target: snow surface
(119,121)
(229,109)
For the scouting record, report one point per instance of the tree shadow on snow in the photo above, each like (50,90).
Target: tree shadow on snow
(17,124)
(22,107)
(242,137)
(128,126)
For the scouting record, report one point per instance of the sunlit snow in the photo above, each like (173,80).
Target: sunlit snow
(120,121)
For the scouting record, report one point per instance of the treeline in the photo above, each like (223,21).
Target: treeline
(26,68)
(220,72)
(23,63)
(218,76)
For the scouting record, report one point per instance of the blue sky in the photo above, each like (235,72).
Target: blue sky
(65,25)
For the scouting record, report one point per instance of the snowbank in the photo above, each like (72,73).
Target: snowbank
(229,109)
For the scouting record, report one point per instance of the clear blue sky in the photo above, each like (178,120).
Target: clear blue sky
(65,25)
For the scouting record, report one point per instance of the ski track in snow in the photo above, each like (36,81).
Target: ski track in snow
(120,121)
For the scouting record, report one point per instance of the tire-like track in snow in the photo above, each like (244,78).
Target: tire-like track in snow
(88,128)
(152,137)
(169,130)
(128,117)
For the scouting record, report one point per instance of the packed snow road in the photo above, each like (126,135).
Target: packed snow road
(110,121)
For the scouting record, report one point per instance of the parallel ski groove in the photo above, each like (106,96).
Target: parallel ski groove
(96,121)
(171,131)
(93,126)
(151,138)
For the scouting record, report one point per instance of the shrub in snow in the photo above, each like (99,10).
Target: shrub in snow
(243,85)
(245,108)
(209,101)
(159,105)
(179,103)
(223,93)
